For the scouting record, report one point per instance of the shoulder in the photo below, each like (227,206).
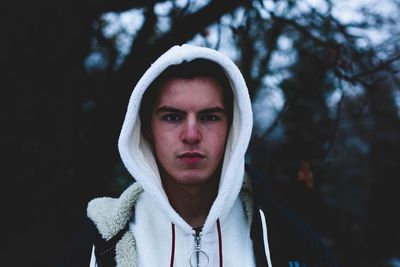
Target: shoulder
(291,240)
(110,215)
(107,221)
(78,250)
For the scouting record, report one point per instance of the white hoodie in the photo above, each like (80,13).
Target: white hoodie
(158,235)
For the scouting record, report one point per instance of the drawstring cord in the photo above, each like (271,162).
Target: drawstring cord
(265,237)
(173,245)
(219,244)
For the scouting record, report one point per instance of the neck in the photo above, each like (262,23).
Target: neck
(191,202)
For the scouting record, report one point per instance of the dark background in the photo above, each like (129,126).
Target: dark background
(66,82)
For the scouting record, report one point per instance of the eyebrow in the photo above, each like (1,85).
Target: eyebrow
(204,111)
(212,110)
(169,109)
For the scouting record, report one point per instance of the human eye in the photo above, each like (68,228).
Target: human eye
(210,117)
(172,117)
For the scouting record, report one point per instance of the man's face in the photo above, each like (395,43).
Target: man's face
(189,127)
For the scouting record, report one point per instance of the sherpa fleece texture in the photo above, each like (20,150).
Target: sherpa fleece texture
(111,215)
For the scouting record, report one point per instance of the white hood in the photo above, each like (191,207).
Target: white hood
(138,157)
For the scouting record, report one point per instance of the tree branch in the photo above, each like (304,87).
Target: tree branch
(248,52)
(303,30)
(275,123)
(103,6)
(183,29)
(382,66)
(273,36)
(180,31)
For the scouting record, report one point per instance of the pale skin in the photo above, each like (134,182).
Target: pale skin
(189,128)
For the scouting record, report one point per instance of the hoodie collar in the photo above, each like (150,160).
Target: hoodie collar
(110,215)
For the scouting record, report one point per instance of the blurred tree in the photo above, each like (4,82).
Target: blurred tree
(63,121)
(384,218)
(330,145)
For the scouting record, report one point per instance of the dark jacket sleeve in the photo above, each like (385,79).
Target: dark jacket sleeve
(78,251)
(291,241)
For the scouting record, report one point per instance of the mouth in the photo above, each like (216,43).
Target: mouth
(191,157)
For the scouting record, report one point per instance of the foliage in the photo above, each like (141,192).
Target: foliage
(325,89)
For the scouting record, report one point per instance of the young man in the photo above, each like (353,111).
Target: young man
(184,139)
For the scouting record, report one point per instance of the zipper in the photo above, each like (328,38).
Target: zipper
(197,240)
(198,258)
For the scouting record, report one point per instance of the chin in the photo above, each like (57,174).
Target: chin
(193,178)
(188,177)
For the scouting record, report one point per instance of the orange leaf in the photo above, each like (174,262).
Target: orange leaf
(305,175)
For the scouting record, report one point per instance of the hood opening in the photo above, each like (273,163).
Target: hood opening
(136,151)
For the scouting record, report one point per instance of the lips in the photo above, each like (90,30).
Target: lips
(191,157)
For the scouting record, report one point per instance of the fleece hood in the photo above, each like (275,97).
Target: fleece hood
(136,152)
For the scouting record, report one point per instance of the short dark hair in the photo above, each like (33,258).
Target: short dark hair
(186,70)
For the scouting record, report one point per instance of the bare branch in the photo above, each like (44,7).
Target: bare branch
(147,29)
(109,44)
(247,52)
(339,73)
(269,130)
(219,30)
(335,130)
(303,30)
(103,6)
(273,36)
(180,31)
(382,66)
(143,53)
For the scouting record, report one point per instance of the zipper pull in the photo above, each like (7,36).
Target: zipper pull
(198,258)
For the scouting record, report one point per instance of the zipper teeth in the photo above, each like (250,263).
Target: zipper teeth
(197,240)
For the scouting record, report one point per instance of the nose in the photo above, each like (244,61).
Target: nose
(191,132)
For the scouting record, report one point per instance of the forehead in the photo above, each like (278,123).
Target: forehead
(181,92)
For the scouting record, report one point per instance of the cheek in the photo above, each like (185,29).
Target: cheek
(219,141)
(163,142)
